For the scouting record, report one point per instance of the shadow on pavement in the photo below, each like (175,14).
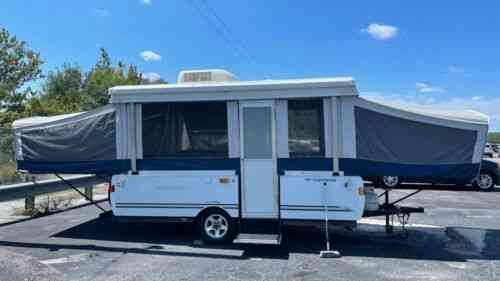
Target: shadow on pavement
(365,241)
(150,251)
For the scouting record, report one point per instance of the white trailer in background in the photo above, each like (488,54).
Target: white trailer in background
(244,157)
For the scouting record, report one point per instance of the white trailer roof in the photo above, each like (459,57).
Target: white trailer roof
(467,116)
(38,120)
(235,90)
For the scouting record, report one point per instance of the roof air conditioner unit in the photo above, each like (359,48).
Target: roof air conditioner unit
(209,75)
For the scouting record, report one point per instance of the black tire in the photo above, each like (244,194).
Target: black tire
(216,226)
(485,181)
(389,182)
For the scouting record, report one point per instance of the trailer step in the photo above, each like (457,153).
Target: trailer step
(254,238)
(259,226)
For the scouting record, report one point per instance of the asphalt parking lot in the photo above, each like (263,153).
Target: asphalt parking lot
(457,238)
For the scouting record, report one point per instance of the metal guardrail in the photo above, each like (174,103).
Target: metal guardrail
(32,189)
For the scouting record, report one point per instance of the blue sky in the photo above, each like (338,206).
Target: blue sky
(444,53)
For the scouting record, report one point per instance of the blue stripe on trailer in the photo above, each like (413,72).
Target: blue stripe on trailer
(304,164)
(440,171)
(123,165)
(350,166)
(73,167)
(366,168)
(189,164)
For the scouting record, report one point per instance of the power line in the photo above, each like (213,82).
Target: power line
(239,43)
(217,29)
(220,29)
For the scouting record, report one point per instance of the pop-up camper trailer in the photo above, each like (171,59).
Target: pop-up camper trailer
(227,151)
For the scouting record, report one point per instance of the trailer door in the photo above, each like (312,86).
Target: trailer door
(259,178)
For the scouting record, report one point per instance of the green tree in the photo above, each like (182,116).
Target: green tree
(134,77)
(494,137)
(104,76)
(18,65)
(62,93)
(97,82)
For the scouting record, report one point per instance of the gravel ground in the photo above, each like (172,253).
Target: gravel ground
(457,238)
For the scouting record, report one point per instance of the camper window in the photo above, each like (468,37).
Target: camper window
(184,130)
(305,128)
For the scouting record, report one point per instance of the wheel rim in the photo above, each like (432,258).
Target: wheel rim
(484,181)
(390,181)
(216,226)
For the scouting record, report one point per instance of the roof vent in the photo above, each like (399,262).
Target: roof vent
(208,75)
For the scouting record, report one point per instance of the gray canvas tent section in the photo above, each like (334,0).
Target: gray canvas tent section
(361,136)
(385,138)
(381,138)
(75,143)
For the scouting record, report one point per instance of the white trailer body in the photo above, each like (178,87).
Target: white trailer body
(178,194)
(217,149)
(186,194)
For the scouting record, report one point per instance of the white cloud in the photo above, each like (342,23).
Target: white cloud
(381,31)
(488,106)
(426,88)
(151,76)
(100,12)
(147,2)
(150,56)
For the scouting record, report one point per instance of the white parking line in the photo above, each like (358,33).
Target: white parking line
(396,223)
(68,259)
(479,217)
(196,250)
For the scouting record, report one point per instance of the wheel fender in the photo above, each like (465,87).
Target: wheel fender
(209,209)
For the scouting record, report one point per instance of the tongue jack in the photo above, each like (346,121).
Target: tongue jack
(328,253)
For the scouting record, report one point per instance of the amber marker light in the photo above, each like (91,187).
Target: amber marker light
(361,191)
(224,180)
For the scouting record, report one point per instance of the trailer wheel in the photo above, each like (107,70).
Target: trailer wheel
(216,226)
(485,181)
(390,181)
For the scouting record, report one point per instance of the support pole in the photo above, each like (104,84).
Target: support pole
(81,193)
(89,192)
(133,131)
(29,203)
(406,197)
(328,253)
(336,136)
(382,194)
(388,226)
(29,200)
